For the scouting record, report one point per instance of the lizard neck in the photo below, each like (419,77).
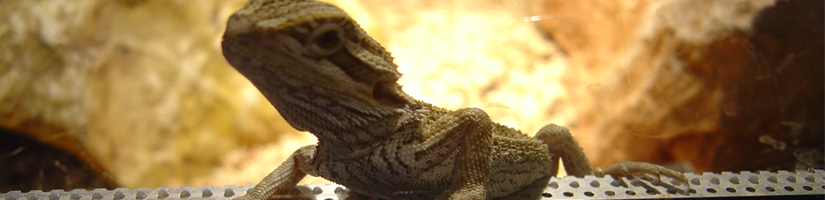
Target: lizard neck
(344,120)
(358,142)
(372,129)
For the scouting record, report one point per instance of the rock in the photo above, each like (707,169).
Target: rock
(692,82)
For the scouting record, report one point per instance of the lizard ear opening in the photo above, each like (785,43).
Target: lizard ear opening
(389,92)
(326,40)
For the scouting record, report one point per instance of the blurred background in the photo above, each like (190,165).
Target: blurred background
(136,93)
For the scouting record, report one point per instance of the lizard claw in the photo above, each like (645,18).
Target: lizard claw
(627,169)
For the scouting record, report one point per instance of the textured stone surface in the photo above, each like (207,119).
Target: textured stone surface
(715,85)
(140,86)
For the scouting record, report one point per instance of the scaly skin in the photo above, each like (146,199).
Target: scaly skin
(325,75)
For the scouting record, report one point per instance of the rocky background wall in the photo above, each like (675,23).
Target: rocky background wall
(136,93)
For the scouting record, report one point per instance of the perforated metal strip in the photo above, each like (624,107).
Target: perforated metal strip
(707,185)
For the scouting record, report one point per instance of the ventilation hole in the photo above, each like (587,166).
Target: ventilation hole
(553,185)
(339,190)
(615,183)
(714,181)
(692,191)
(789,188)
(753,179)
(140,195)
(97,195)
(750,189)
(630,192)
(568,194)
(731,190)
(770,189)
(317,190)
(808,188)
(589,194)
(671,191)
(610,193)
(575,184)
(228,193)
(810,178)
(655,182)
(636,182)
(772,179)
(823,186)
(675,182)
(734,180)
(652,192)
(295,191)
(695,181)
(162,194)
(546,195)
(206,193)
(185,194)
(595,184)
(791,179)
(54,196)
(328,199)
(711,190)
(119,195)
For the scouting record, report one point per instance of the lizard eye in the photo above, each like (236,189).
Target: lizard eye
(326,40)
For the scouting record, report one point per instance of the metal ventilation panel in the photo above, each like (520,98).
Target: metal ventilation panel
(755,185)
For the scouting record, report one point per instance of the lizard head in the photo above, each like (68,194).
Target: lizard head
(313,63)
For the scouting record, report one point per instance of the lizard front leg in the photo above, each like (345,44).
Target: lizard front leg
(470,129)
(562,144)
(284,178)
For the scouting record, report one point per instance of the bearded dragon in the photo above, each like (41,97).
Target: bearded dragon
(325,75)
